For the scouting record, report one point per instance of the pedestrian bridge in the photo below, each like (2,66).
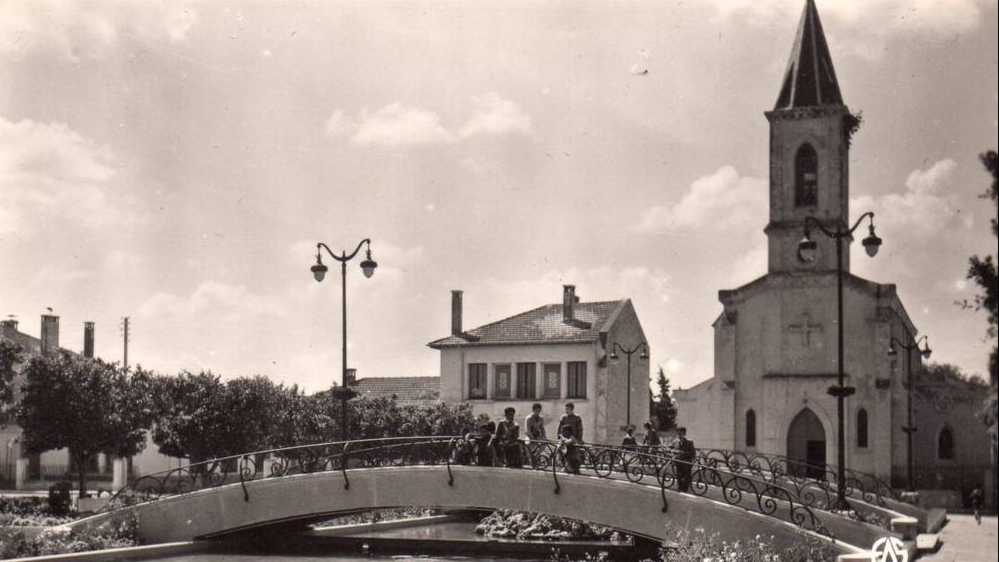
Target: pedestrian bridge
(634,492)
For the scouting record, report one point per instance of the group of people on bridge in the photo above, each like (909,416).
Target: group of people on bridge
(502,444)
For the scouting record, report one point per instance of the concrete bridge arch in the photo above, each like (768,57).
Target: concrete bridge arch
(629,507)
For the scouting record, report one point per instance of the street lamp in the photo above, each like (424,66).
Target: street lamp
(807,249)
(909,428)
(644,348)
(343,393)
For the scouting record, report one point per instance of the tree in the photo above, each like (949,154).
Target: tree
(10,355)
(200,417)
(663,407)
(85,405)
(983,270)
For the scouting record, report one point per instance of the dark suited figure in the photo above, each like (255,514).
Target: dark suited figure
(684,454)
(484,441)
(573,421)
(507,439)
(569,445)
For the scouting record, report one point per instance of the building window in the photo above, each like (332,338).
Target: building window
(476,380)
(806,177)
(501,374)
(576,382)
(553,380)
(750,428)
(945,445)
(527,382)
(862,428)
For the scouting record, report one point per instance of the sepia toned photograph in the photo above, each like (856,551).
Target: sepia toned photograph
(499,281)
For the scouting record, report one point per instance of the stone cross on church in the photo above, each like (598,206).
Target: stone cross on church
(806,327)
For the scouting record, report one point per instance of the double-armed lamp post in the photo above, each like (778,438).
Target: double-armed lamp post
(368,265)
(807,250)
(909,428)
(644,348)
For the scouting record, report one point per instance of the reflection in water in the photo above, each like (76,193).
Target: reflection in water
(329,558)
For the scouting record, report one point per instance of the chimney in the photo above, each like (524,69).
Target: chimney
(351,377)
(8,328)
(50,333)
(456,313)
(568,301)
(88,339)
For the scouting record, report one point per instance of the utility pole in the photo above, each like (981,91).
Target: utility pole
(124,331)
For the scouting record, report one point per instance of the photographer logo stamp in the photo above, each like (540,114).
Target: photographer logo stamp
(889,549)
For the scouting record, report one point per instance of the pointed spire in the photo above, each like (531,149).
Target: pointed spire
(810,79)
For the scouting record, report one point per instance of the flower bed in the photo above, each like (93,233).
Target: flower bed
(29,512)
(506,524)
(16,543)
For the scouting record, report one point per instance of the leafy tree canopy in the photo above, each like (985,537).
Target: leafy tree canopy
(85,405)
(10,355)
(199,416)
(983,270)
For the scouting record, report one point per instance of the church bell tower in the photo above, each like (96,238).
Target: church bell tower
(809,153)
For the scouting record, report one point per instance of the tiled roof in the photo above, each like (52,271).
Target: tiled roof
(30,345)
(810,79)
(406,390)
(541,325)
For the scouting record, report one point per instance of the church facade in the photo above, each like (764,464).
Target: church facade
(775,340)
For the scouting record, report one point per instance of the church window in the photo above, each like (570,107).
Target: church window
(750,428)
(945,444)
(477,380)
(862,428)
(806,177)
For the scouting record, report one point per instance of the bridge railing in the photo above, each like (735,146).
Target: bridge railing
(816,485)
(655,468)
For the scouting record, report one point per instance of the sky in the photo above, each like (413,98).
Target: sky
(177,163)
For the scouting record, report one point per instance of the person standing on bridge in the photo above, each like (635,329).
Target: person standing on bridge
(573,421)
(534,424)
(651,442)
(569,447)
(684,455)
(507,439)
(629,442)
(484,440)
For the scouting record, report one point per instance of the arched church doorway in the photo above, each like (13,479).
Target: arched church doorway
(806,445)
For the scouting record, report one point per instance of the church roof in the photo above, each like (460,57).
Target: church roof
(810,79)
(543,325)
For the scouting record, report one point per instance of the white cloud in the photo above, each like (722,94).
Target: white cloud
(724,198)
(211,300)
(339,125)
(78,30)
(924,208)
(495,116)
(399,125)
(49,172)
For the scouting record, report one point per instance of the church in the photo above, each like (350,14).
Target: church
(775,340)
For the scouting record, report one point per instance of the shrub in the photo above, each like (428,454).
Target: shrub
(60,500)
(63,540)
(698,546)
(537,526)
